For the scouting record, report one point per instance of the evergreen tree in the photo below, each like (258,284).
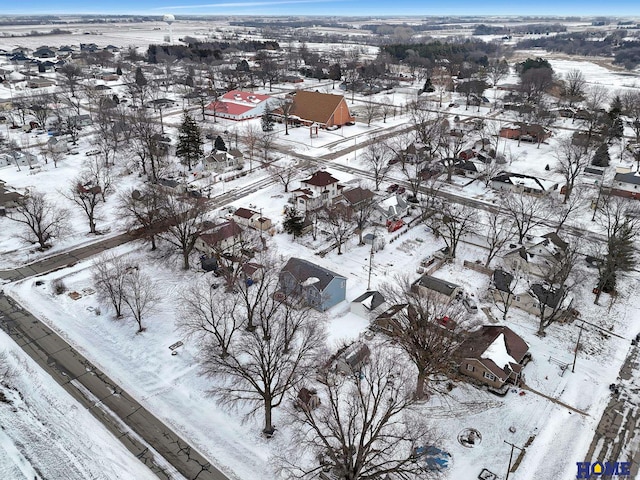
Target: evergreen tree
(616,107)
(601,157)
(141,80)
(119,70)
(293,222)
(267,121)
(219,144)
(616,129)
(189,148)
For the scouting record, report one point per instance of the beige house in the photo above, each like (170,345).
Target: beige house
(494,355)
(251,219)
(222,238)
(319,190)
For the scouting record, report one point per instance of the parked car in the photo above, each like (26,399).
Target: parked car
(92,152)
(469,305)
(392,188)
(400,190)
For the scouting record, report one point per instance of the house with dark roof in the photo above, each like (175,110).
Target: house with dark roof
(324,109)
(432,285)
(224,238)
(505,289)
(358,197)
(518,182)
(319,190)
(238,105)
(626,184)
(252,219)
(551,300)
(367,304)
(220,160)
(494,355)
(8,198)
(319,287)
(538,254)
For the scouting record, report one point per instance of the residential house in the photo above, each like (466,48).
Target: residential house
(319,190)
(387,322)
(8,198)
(517,182)
(443,288)
(467,154)
(551,300)
(626,183)
(324,109)
(39,82)
(219,161)
(503,289)
(358,197)
(494,355)
(525,132)
(238,105)
(351,359)
(367,304)
(537,255)
(319,287)
(224,238)
(18,158)
(465,168)
(251,219)
(57,144)
(307,399)
(392,208)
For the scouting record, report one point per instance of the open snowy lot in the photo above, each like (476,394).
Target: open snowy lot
(47,434)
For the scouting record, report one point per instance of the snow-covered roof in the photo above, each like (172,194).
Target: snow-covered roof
(310,281)
(497,352)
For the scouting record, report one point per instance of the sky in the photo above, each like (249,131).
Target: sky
(329,7)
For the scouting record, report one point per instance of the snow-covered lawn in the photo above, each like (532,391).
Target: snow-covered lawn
(47,434)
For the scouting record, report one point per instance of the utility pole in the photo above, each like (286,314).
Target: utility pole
(510,457)
(575,355)
(371,262)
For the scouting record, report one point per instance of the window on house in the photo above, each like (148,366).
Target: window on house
(517,298)
(489,376)
(470,367)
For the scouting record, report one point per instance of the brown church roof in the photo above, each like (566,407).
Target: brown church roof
(315,106)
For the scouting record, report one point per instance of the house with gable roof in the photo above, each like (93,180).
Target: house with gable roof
(391,208)
(367,304)
(432,285)
(626,183)
(225,237)
(518,182)
(494,355)
(238,105)
(319,287)
(324,109)
(319,190)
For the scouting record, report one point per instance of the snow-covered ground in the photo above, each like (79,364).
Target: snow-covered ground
(47,434)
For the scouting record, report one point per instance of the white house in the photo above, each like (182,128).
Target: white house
(368,304)
(517,182)
(317,191)
(394,207)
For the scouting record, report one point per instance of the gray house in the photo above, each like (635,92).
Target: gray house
(320,288)
(432,285)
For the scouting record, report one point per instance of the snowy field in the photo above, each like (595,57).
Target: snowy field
(47,434)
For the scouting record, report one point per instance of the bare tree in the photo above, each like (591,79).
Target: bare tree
(99,174)
(557,283)
(631,107)
(563,211)
(338,221)
(41,108)
(184,219)
(42,219)
(140,294)
(596,98)
(256,366)
(498,233)
(526,212)
(574,86)
(442,82)
(371,111)
(417,330)
(87,195)
(145,143)
(283,174)
(571,162)
(142,210)
(367,427)
(376,159)
(496,71)
(453,223)
(266,144)
(71,75)
(252,135)
(504,295)
(109,271)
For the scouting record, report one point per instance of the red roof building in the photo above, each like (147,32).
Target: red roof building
(238,105)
